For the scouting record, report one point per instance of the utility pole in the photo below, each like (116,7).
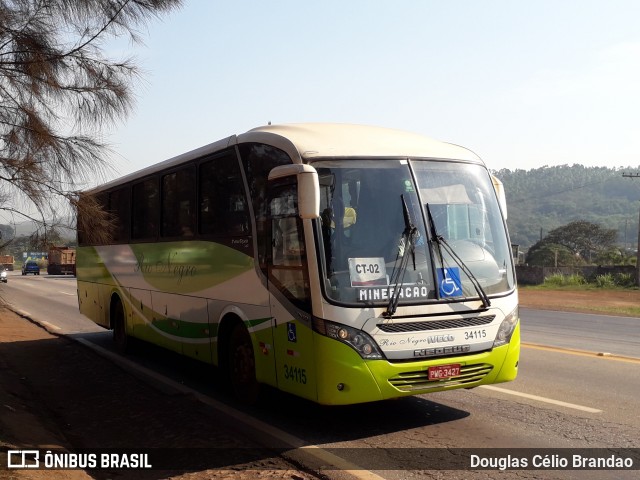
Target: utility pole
(636,175)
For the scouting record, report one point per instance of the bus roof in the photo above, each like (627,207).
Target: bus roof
(306,142)
(330,140)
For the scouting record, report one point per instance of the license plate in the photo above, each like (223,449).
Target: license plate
(441,372)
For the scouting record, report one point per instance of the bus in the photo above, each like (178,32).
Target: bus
(340,263)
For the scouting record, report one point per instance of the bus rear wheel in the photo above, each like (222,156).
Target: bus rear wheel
(118,321)
(242,366)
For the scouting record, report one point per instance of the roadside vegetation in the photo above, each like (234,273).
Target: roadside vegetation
(576,280)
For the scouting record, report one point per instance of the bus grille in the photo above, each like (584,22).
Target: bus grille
(435,324)
(469,375)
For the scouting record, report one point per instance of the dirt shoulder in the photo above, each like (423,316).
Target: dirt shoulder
(614,302)
(57,394)
(21,421)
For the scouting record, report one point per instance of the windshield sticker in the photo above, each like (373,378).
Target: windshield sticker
(449,282)
(365,272)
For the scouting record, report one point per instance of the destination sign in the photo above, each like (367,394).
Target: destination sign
(404,292)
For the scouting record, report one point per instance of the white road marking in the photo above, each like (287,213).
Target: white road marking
(542,399)
(584,353)
(65,293)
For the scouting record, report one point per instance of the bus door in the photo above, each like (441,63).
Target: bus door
(289,291)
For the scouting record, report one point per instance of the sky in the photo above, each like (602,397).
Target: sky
(523,84)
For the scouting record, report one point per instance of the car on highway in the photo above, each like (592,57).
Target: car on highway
(30,267)
(3,276)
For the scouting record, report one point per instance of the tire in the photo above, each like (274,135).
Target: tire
(119,323)
(242,366)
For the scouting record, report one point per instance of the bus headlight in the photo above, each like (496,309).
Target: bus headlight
(507,327)
(360,341)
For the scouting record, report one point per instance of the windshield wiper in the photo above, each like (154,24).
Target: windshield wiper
(443,244)
(408,240)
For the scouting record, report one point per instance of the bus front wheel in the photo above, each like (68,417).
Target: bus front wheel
(242,365)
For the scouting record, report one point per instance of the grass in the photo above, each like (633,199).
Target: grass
(560,280)
(622,281)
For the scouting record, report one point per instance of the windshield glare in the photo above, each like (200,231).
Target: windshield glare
(363,231)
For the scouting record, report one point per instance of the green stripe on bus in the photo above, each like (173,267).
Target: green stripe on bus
(256,322)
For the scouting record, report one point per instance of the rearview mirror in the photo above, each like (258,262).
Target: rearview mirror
(308,187)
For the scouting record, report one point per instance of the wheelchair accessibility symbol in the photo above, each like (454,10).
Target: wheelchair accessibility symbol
(291,332)
(449,282)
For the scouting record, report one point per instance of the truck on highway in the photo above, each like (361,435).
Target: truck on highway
(62,261)
(6,262)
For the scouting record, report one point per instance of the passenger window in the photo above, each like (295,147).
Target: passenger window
(119,209)
(222,202)
(146,210)
(178,203)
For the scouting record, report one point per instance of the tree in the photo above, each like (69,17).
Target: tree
(58,89)
(612,256)
(6,233)
(582,239)
(546,254)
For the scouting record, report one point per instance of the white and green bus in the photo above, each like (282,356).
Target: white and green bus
(340,263)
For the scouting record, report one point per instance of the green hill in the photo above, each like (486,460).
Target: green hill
(545,198)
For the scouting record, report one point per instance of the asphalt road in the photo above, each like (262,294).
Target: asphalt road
(562,398)
(49,298)
(595,333)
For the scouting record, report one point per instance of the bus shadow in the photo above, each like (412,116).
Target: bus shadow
(310,422)
(319,424)
(96,405)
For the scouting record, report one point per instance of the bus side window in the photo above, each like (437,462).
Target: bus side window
(288,270)
(145,210)
(222,202)
(258,160)
(95,229)
(119,209)
(178,203)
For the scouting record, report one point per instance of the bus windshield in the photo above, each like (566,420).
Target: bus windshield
(368,208)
